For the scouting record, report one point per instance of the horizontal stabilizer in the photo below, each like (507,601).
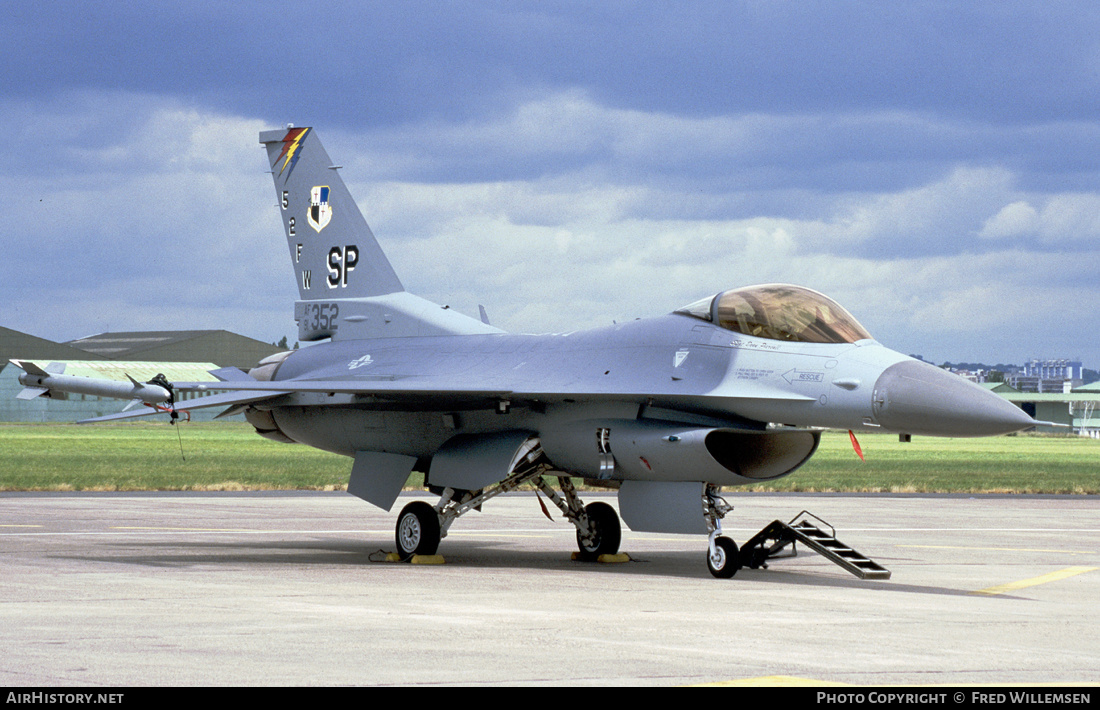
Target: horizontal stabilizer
(134,414)
(231,374)
(228,399)
(234,410)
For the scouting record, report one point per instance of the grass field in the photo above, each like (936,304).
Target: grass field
(222,456)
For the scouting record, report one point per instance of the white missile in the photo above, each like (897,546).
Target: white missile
(37,382)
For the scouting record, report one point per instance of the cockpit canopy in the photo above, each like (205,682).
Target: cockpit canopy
(780,312)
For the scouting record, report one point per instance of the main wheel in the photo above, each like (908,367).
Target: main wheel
(607,534)
(417,530)
(724,562)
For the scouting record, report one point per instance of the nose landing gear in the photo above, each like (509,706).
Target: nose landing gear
(723,558)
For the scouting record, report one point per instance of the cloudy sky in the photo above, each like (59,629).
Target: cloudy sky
(933,166)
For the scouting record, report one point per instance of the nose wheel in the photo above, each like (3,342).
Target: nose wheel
(722,558)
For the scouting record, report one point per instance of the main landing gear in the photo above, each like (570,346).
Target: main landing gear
(421,526)
(417,530)
(598,529)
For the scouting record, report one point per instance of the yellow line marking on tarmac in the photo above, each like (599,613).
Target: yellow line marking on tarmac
(20,526)
(770,681)
(1042,579)
(999,549)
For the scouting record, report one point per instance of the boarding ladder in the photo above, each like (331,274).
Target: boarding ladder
(810,531)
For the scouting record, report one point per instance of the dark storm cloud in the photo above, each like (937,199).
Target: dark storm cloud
(358,64)
(935,162)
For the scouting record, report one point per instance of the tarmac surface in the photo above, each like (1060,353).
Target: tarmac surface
(158,589)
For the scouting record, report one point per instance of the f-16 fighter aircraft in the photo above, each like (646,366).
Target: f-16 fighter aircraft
(734,388)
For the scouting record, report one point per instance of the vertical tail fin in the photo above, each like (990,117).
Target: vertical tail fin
(348,288)
(333,250)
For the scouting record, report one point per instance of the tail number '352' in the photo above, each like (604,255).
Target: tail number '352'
(322,316)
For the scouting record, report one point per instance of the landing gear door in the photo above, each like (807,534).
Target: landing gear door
(664,507)
(378,477)
(473,461)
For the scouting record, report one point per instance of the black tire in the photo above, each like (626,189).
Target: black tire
(417,530)
(724,562)
(609,534)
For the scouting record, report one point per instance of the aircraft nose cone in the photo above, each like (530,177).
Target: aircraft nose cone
(914,397)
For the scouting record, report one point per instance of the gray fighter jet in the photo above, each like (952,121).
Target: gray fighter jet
(732,389)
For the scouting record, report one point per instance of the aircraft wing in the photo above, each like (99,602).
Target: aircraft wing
(408,389)
(398,388)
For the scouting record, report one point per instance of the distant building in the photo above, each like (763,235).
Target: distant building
(1055,369)
(977,376)
(183,356)
(14,344)
(1048,376)
(1077,411)
(981,375)
(218,346)
(1023,383)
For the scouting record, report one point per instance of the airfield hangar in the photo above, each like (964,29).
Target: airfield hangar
(181,355)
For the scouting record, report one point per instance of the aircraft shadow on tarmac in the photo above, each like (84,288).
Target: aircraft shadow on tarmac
(486,555)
